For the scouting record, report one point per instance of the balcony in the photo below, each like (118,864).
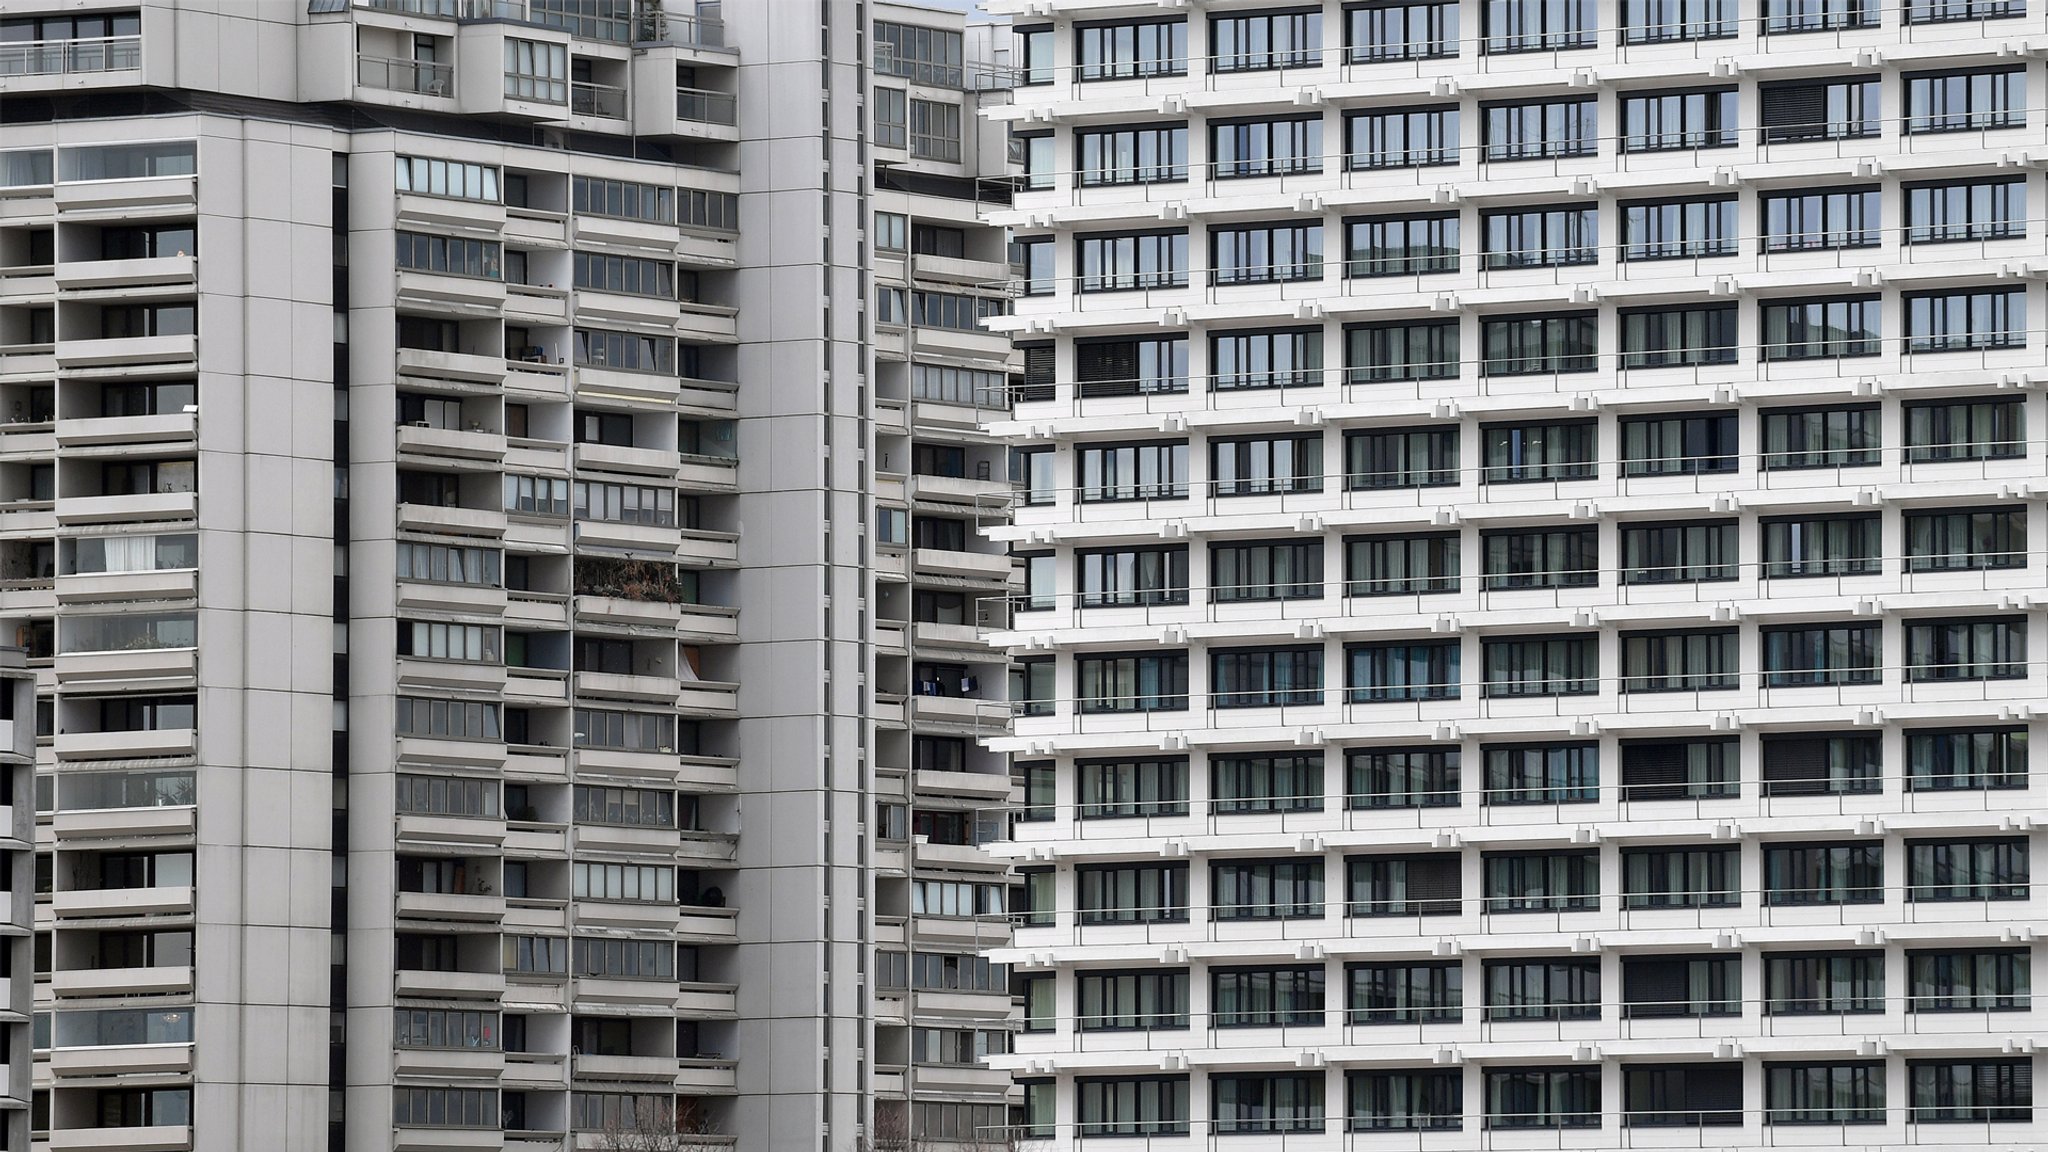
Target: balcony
(155,1138)
(713,473)
(127,351)
(620,686)
(167,820)
(84,275)
(122,981)
(125,508)
(708,847)
(952,269)
(454,520)
(159,664)
(448,1061)
(630,839)
(621,1067)
(423,442)
(708,698)
(442,832)
(696,1001)
(413,77)
(711,549)
(994,567)
(459,985)
(52,65)
(602,101)
(436,365)
(618,458)
(707,1075)
(699,925)
(994,495)
(147,742)
(461,906)
(162,428)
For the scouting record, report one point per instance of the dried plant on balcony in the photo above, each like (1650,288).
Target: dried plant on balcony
(645,581)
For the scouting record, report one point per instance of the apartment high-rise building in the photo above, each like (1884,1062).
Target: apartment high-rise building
(490,495)
(1532,635)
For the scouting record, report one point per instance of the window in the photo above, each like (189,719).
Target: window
(1267,997)
(1400,246)
(1265,677)
(1986,429)
(1139,154)
(1267,1102)
(1686,661)
(1034,152)
(1681,986)
(449,255)
(1419,350)
(1966,760)
(892,230)
(1405,1100)
(1541,774)
(1131,1105)
(1540,129)
(1542,989)
(1538,25)
(1265,253)
(1542,1098)
(625,351)
(1132,893)
(1540,558)
(1846,1092)
(1823,984)
(1032,681)
(1822,546)
(1668,21)
(622,200)
(1677,121)
(1411,670)
(1141,682)
(447,178)
(1540,237)
(1401,30)
(1400,565)
(1400,138)
(1524,452)
(1133,49)
(1782,16)
(1542,882)
(1678,553)
(444,719)
(1034,55)
(952,310)
(436,1108)
(1993,980)
(1702,769)
(624,807)
(1404,885)
(1426,992)
(120,321)
(1680,337)
(1539,345)
(1815,765)
(1821,437)
(1112,789)
(1259,466)
(1554,666)
(1960,320)
(1266,570)
(1266,889)
(1966,101)
(1952,541)
(1127,366)
(1971,1091)
(473,643)
(1401,458)
(935,131)
(631,731)
(536,70)
(1681,877)
(634,277)
(702,208)
(892,118)
(1679,445)
(435,563)
(1819,110)
(1132,577)
(445,1028)
(1980,649)
(1133,261)
(1118,472)
(624,503)
(535,954)
(1846,873)
(1141,1001)
(1956,870)
(1401,778)
(1678,229)
(1822,219)
(625,959)
(1267,782)
(1820,329)
(1262,41)
(1286,358)
(633,883)
(1239,148)
(1981,209)
(1681,1095)
(919,54)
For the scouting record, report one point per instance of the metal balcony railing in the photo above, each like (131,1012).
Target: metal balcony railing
(587,99)
(395,75)
(71,57)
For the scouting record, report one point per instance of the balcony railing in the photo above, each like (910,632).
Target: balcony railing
(587,99)
(394,75)
(71,57)
(703,107)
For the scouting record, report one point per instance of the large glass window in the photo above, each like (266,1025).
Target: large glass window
(536,70)
(1429,885)
(1829,983)
(1132,577)
(1679,337)
(1542,1098)
(1415,350)
(1132,893)
(1546,666)
(1405,1100)
(1541,129)
(1412,670)
(1120,472)
(1540,558)
(1806,221)
(1542,989)
(1287,889)
(1956,870)
(1426,992)
(1840,109)
(1971,1091)
(1133,261)
(1266,570)
(1966,760)
(1678,229)
(1679,445)
(1400,246)
(1966,101)
(1265,253)
(1266,782)
(1540,237)
(1542,882)
(1669,121)
(1982,980)
(1682,661)
(1121,789)
(1267,997)
(1688,553)
(1138,154)
(1131,1105)
(1683,986)
(1979,429)
(1539,345)
(1541,774)
(1400,565)
(1265,677)
(1400,138)
(1667,21)
(1265,147)
(1822,545)
(1983,209)
(1148,1000)
(1139,682)
(1129,366)
(1528,452)
(1846,1092)
(1700,769)
(1957,320)
(1993,648)
(1286,358)
(1815,764)
(922,55)
(1401,30)
(1833,437)
(1133,49)
(1786,16)
(1681,877)
(1401,778)
(1845,873)
(1263,41)
(1539,25)
(1801,656)
(1401,458)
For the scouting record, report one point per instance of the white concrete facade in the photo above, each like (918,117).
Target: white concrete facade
(1526,636)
